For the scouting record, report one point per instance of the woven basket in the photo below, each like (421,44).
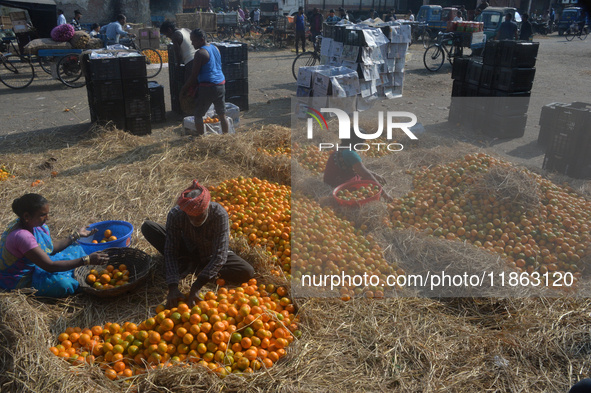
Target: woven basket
(138,263)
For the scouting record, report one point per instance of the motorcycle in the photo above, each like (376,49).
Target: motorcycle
(540,26)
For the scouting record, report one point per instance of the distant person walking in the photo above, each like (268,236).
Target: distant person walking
(300,35)
(316,23)
(526,28)
(508,29)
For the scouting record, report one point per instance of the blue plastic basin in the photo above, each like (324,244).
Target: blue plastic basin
(120,229)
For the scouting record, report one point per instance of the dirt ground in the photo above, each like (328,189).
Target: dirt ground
(562,75)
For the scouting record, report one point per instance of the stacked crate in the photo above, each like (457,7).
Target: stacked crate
(157,106)
(235,68)
(504,77)
(176,80)
(566,132)
(117,89)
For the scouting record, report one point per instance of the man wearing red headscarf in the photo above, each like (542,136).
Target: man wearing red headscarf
(195,240)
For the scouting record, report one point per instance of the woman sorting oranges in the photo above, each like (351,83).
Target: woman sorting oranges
(345,165)
(29,258)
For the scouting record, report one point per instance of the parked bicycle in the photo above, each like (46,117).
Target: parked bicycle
(247,28)
(421,33)
(153,58)
(307,59)
(447,43)
(575,31)
(16,71)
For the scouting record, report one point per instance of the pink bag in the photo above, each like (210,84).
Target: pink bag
(63,33)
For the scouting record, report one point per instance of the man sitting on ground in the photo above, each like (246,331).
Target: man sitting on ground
(195,240)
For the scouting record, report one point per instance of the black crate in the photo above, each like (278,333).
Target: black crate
(111,111)
(237,87)
(504,127)
(235,70)
(140,125)
(509,104)
(515,79)
(474,71)
(133,67)
(582,167)
(328,30)
(487,76)
(105,69)
(563,143)
(232,52)
(354,37)
(456,112)
(239,101)
(471,90)
(339,33)
(558,163)
(518,54)
(459,69)
(489,56)
(547,119)
(484,92)
(107,90)
(137,107)
(135,88)
(459,89)
(157,106)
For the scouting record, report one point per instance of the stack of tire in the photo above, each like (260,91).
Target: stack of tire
(503,77)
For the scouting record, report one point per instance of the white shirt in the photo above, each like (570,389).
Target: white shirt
(187,48)
(257,15)
(411,18)
(458,19)
(61,20)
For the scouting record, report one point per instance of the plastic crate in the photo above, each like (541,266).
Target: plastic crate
(487,76)
(137,107)
(328,30)
(471,90)
(474,71)
(547,122)
(459,68)
(509,104)
(518,54)
(235,70)
(139,125)
(240,101)
(515,79)
(339,33)
(557,163)
(354,37)
(107,90)
(133,67)
(489,56)
(504,127)
(459,89)
(114,111)
(484,92)
(157,106)
(456,112)
(105,69)
(135,88)
(232,52)
(237,87)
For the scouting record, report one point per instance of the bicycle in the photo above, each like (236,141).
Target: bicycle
(16,72)
(434,56)
(153,59)
(307,59)
(422,33)
(574,31)
(69,70)
(247,27)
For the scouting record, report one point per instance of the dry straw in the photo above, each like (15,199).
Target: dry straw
(408,344)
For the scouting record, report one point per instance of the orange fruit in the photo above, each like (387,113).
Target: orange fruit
(107,233)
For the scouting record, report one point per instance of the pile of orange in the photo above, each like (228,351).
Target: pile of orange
(311,158)
(447,203)
(37,183)
(378,151)
(108,237)
(163,54)
(239,330)
(324,244)
(358,194)
(5,173)
(260,211)
(276,151)
(109,277)
(210,120)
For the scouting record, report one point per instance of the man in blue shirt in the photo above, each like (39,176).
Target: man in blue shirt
(332,18)
(300,34)
(115,30)
(508,29)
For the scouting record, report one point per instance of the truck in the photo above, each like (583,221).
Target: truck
(492,17)
(435,18)
(194,5)
(569,15)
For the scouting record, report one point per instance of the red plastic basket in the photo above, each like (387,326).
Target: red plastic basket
(354,185)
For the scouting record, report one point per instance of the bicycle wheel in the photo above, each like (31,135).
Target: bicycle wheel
(153,62)
(584,33)
(306,59)
(16,72)
(434,58)
(211,38)
(426,38)
(569,35)
(69,71)
(45,64)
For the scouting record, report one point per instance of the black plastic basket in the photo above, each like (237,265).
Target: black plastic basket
(487,76)
(459,89)
(105,69)
(509,104)
(140,125)
(489,57)
(504,127)
(237,70)
(157,106)
(138,264)
(459,69)
(107,90)
(240,101)
(135,88)
(133,67)
(518,54)
(515,79)
(474,71)
(137,107)
(111,111)
(237,87)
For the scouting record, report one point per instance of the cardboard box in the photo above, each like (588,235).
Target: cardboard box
(336,81)
(399,67)
(336,49)
(350,53)
(20,15)
(144,43)
(19,26)
(306,75)
(397,78)
(304,92)
(397,51)
(369,72)
(155,43)
(6,22)
(347,104)
(403,36)
(325,47)
(154,33)
(144,34)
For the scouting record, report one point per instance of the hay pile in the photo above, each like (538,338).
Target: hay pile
(405,344)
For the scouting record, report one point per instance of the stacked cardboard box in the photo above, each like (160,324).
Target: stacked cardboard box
(149,38)
(19,21)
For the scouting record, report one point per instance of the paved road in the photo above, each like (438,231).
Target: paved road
(563,74)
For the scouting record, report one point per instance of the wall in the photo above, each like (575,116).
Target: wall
(105,11)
